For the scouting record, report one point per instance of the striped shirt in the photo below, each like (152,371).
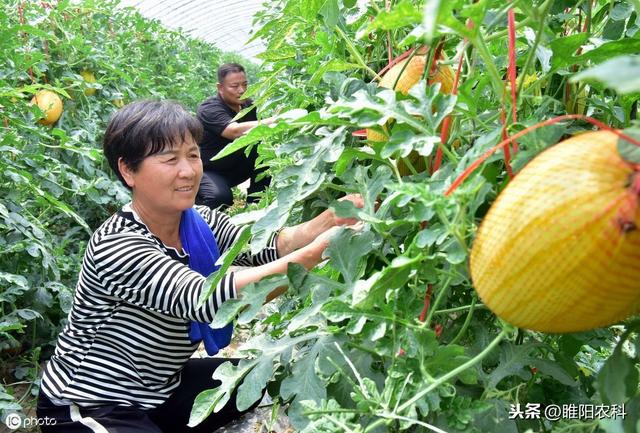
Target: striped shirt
(126,339)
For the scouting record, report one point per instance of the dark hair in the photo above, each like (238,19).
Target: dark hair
(144,128)
(228,68)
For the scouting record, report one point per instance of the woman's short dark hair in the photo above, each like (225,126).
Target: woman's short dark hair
(144,128)
(228,68)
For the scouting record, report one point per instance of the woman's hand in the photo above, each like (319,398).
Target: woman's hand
(308,256)
(321,242)
(357,201)
(296,237)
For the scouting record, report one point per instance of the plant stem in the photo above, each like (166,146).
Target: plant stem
(501,34)
(338,188)
(466,323)
(532,51)
(340,424)
(463,308)
(494,75)
(364,349)
(322,412)
(407,162)
(437,301)
(452,156)
(442,379)
(392,319)
(420,423)
(396,172)
(406,63)
(354,52)
(453,373)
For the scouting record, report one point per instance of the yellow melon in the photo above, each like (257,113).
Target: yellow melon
(559,250)
(89,78)
(50,104)
(411,74)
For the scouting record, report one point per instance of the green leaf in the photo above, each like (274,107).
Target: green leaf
(28,314)
(618,378)
(631,421)
(555,370)
(302,180)
(203,406)
(403,142)
(259,133)
(630,152)
(456,254)
(337,311)
(514,361)
(447,18)
(33,31)
(227,260)
(332,65)
(330,13)
(253,385)
(366,292)
(429,22)
(621,11)
(346,251)
(304,383)
(609,50)
(614,426)
(213,400)
(621,74)
(447,358)
(249,303)
(401,15)
(318,288)
(15,280)
(564,48)
(11,326)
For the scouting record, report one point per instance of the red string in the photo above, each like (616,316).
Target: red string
(511,71)
(511,76)
(427,303)
(465,174)
(389,49)
(395,61)
(436,55)
(446,124)
(507,140)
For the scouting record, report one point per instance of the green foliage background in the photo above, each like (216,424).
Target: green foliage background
(55,186)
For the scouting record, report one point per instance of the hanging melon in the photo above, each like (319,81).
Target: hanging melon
(411,74)
(50,104)
(559,250)
(90,78)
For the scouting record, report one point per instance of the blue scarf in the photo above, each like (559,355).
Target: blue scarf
(198,241)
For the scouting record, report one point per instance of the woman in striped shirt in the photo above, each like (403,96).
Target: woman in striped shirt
(123,361)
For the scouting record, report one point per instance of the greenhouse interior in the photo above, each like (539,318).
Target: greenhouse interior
(331,216)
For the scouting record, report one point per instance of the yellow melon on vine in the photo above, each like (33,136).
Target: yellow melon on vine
(50,104)
(90,78)
(559,250)
(406,75)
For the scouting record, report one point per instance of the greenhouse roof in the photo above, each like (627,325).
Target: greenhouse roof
(224,23)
